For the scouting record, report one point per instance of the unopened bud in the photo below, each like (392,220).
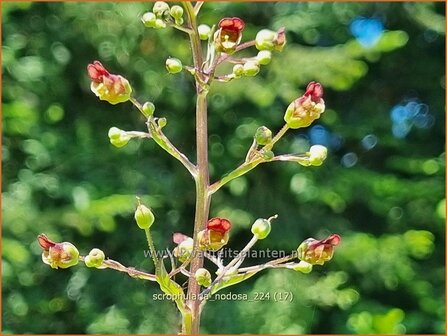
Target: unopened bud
(264,57)
(263,135)
(203,277)
(173,65)
(149,19)
(160,7)
(184,249)
(148,109)
(317,154)
(261,228)
(144,217)
(251,68)
(238,70)
(176,12)
(269,40)
(267,155)
(265,39)
(302,267)
(95,258)
(159,24)
(204,31)
(162,122)
(117,137)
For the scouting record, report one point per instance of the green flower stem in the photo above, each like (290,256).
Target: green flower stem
(151,245)
(247,166)
(273,263)
(197,7)
(240,47)
(232,263)
(132,272)
(161,139)
(192,323)
(276,138)
(239,171)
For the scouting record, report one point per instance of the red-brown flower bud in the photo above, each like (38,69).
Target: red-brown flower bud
(229,34)
(111,88)
(58,255)
(317,252)
(216,234)
(307,108)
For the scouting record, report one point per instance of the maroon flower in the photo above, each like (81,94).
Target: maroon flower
(215,235)
(307,108)
(112,88)
(219,225)
(58,255)
(317,252)
(229,34)
(96,72)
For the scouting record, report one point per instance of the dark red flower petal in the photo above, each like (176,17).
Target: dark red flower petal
(232,24)
(219,225)
(96,71)
(44,242)
(333,240)
(315,91)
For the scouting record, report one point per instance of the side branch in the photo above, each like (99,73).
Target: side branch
(132,272)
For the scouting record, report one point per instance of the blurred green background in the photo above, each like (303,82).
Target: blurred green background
(381,189)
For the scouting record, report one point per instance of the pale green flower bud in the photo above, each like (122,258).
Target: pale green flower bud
(203,277)
(302,267)
(95,258)
(162,122)
(204,31)
(160,7)
(269,40)
(159,24)
(117,137)
(173,65)
(261,228)
(267,155)
(149,19)
(176,12)
(184,249)
(148,109)
(264,57)
(251,68)
(265,39)
(238,70)
(317,154)
(263,135)
(144,217)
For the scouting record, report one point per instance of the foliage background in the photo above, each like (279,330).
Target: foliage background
(382,188)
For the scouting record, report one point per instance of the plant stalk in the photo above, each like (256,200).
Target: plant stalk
(191,324)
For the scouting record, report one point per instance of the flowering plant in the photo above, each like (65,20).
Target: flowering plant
(224,41)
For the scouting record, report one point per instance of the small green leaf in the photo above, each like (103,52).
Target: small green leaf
(170,287)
